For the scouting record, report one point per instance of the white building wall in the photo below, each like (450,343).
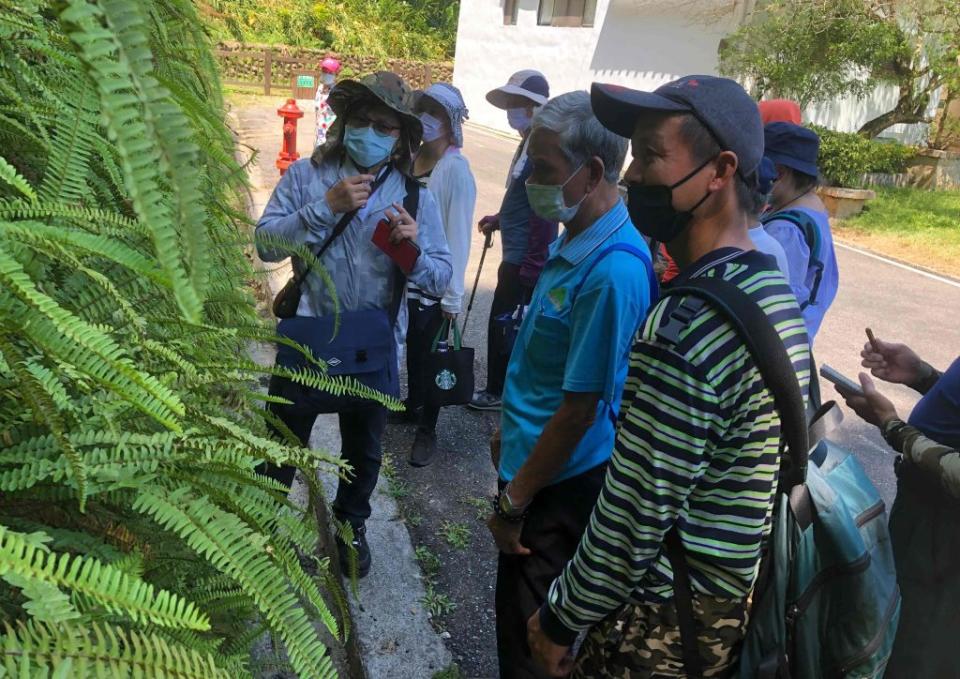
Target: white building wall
(635,43)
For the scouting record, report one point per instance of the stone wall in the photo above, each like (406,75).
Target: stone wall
(238,64)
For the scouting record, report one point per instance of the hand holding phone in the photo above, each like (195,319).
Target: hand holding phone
(403,225)
(844,383)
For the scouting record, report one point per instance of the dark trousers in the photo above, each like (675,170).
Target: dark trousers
(557,520)
(423,324)
(506,297)
(360,431)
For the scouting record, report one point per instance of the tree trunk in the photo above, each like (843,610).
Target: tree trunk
(911,108)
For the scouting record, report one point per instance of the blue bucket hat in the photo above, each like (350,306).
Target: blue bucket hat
(792,146)
(720,104)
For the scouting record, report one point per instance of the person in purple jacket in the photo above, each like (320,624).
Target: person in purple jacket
(525,237)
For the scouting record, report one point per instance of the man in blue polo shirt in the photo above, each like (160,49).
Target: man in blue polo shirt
(563,389)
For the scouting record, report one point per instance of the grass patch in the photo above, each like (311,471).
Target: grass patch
(429,562)
(481,504)
(456,534)
(436,603)
(451,672)
(916,226)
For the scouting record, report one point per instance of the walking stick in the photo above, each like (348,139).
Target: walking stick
(487,244)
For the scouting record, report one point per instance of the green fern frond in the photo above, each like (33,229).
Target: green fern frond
(124,596)
(48,399)
(117,68)
(281,246)
(231,545)
(9,174)
(95,650)
(33,232)
(89,347)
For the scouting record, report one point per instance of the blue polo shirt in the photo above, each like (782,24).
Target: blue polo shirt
(576,340)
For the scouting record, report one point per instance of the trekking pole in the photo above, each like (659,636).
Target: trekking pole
(487,244)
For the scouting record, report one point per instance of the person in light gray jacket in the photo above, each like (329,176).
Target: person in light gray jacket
(364,167)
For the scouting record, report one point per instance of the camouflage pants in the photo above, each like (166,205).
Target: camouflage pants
(643,640)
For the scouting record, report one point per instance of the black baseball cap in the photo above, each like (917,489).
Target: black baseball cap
(720,104)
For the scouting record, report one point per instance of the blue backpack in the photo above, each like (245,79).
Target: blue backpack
(811,236)
(826,601)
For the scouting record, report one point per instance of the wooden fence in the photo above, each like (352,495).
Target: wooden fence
(269,63)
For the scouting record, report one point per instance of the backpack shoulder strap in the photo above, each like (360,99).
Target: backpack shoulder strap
(770,355)
(622,247)
(807,225)
(813,238)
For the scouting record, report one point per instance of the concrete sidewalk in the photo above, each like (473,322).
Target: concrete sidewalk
(396,640)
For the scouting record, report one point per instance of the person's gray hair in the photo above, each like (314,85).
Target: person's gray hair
(582,136)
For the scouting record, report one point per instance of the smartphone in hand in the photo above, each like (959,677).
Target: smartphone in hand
(404,253)
(840,380)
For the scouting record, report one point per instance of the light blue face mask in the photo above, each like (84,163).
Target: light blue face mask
(518,119)
(432,127)
(547,200)
(366,146)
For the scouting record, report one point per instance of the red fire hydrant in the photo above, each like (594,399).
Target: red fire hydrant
(290,113)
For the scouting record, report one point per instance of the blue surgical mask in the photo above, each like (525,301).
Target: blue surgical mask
(519,119)
(432,127)
(547,200)
(328,79)
(366,146)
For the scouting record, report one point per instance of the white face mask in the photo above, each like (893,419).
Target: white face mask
(433,128)
(519,119)
(548,202)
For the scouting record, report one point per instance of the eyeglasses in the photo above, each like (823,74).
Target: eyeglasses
(361,121)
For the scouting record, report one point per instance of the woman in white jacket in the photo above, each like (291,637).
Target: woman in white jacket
(446,172)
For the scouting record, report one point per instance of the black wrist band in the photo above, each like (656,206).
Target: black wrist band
(891,433)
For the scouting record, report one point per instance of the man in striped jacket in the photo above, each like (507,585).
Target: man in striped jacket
(697,446)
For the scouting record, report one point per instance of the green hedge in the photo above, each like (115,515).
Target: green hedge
(846,156)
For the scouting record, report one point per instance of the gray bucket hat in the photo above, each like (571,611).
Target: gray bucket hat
(451,100)
(384,86)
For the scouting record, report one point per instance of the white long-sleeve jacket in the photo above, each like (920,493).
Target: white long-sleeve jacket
(453,186)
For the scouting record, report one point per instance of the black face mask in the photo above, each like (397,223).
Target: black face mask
(652,212)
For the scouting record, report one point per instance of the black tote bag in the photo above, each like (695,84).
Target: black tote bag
(449,374)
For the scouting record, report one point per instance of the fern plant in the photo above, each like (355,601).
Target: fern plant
(136,537)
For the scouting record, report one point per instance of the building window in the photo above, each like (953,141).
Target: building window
(510,12)
(566,12)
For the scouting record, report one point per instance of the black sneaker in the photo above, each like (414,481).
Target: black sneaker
(484,400)
(358,545)
(424,448)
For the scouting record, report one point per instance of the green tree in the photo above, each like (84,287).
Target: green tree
(816,50)
(416,29)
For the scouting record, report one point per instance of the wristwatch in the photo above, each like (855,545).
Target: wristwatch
(506,509)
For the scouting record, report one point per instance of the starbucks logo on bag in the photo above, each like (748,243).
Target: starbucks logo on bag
(446,380)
